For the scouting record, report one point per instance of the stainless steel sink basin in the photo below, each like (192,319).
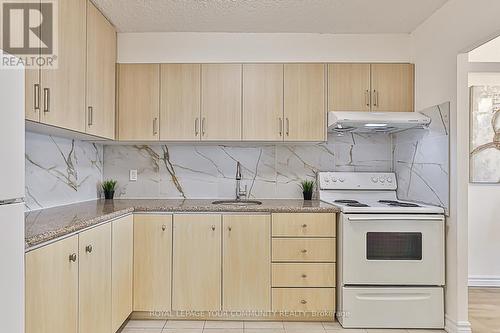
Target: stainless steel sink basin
(237,202)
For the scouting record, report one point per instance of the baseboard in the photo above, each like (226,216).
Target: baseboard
(452,326)
(484,281)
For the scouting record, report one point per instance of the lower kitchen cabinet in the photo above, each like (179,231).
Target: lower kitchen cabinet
(52,288)
(196,281)
(95,280)
(246,262)
(304,299)
(122,270)
(152,262)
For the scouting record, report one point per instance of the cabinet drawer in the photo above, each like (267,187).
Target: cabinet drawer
(303,299)
(304,225)
(303,275)
(304,249)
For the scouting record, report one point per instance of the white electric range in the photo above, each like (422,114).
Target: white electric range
(391,253)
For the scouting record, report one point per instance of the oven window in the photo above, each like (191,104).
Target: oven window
(394,246)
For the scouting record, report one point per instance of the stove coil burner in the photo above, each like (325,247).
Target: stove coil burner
(394,203)
(345,201)
(357,204)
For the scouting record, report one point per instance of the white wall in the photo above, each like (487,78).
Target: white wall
(484,199)
(251,47)
(455,28)
(489,52)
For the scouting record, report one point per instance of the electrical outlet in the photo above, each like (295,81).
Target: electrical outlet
(133,175)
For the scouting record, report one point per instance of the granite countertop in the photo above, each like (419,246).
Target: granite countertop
(47,224)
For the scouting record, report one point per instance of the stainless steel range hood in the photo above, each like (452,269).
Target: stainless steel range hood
(368,122)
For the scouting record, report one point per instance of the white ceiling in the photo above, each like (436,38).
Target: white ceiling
(308,16)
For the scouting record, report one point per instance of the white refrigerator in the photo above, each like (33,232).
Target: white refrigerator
(12,199)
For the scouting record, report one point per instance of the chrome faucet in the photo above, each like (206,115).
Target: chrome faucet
(239,192)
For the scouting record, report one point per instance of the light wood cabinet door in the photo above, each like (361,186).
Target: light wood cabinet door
(152,262)
(122,270)
(95,280)
(221,102)
(32,94)
(392,87)
(101,64)
(246,262)
(263,102)
(138,102)
(349,87)
(63,89)
(52,288)
(180,102)
(197,262)
(305,109)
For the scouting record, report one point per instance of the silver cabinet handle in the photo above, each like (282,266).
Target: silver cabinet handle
(304,251)
(303,301)
(396,218)
(375,97)
(367,97)
(91,115)
(304,225)
(88,248)
(196,131)
(280,120)
(229,228)
(155,126)
(163,227)
(213,228)
(203,121)
(46,100)
(287,127)
(72,257)
(303,276)
(36,96)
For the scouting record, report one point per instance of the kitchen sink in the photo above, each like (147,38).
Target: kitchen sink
(237,202)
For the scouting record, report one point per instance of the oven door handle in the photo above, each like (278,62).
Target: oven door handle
(394,218)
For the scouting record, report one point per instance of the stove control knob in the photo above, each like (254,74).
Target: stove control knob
(334,180)
(374,179)
(389,180)
(382,180)
(327,180)
(342,180)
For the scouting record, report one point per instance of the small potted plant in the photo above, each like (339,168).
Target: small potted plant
(108,187)
(307,188)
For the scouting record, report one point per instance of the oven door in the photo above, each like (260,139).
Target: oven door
(390,249)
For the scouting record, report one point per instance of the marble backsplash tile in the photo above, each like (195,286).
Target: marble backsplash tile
(268,170)
(60,171)
(421,160)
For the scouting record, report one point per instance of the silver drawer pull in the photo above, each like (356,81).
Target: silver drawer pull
(72,257)
(304,251)
(163,227)
(304,226)
(213,228)
(304,276)
(303,301)
(88,248)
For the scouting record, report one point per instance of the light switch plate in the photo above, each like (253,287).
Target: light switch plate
(133,175)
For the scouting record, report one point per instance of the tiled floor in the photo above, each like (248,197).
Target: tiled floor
(178,326)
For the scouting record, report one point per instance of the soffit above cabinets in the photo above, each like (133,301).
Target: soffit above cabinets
(308,16)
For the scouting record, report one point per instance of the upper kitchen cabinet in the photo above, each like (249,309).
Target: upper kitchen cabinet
(304,102)
(180,99)
(101,59)
(262,102)
(392,87)
(221,102)
(63,89)
(138,102)
(370,87)
(349,87)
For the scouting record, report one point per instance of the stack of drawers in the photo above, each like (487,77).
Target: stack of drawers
(303,262)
